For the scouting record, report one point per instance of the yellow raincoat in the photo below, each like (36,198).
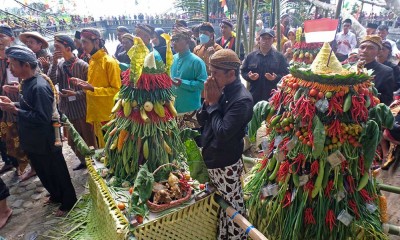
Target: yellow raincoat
(104,76)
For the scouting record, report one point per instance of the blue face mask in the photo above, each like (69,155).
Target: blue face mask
(204,38)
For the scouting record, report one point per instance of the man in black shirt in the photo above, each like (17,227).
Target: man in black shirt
(264,68)
(34,112)
(226,110)
(369,49)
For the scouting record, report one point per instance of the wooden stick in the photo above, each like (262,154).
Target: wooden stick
(239,219)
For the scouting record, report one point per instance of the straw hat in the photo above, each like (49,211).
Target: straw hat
(319,66)
(23,37)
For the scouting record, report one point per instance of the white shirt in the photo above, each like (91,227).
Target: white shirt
(343,48)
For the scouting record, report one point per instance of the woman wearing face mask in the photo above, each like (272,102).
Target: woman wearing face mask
(207,45)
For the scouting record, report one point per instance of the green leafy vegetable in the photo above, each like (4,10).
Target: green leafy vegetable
(197,167)
(319,137)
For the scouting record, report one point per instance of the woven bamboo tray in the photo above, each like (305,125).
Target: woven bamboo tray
(197,221)
(106,220)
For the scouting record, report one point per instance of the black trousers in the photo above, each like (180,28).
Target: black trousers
(4,193)
(53,173)
(8,160)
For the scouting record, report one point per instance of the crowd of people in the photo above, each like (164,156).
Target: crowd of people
(81,78)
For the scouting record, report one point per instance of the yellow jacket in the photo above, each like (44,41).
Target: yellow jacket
(104,76)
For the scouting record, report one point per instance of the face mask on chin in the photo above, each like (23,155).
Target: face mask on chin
(204,38)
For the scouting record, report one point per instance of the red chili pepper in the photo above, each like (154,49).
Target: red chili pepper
(365,195)
(353,207)
(287,199)
(358,111)
(298,160)
(309,187)
(352,186)
(361,164)
(309,217)
(263,164)
(335,129)
(330,219)
(329,188)
(314,168)
(275,99)
(335,105)
(283,171)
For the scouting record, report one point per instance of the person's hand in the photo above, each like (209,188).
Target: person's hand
(44,61)
(398,55)
(56,56)
(270,77)
(67,93)
(11,88)
(253,76)
(4,99)
(83,84)
(347,43)
(339,42)
(7,105)
(212,91)
(210,51)
(177,82)
(289,50)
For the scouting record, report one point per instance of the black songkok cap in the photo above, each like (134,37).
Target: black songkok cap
(5,29)
(21,53)
(122,29)
(65,40)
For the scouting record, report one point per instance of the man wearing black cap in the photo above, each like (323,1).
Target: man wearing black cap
(34,112)
(121,30)
(228,40)
(73,99)
(369,48)
(264,67)
(345,41)
(371,28)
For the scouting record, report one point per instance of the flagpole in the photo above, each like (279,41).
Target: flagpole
(330,53)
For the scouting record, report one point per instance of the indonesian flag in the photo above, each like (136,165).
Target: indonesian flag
(320,30)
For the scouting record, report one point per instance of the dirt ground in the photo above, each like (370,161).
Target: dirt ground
(31,220)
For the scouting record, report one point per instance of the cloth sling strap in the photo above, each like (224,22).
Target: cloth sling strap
(231,42)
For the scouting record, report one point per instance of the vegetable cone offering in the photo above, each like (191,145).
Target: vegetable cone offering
(322,133)
(143,130)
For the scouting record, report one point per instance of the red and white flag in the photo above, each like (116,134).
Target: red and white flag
(320,30)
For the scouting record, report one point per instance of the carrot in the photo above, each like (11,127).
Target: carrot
(113,131)
(383,209)
(121,139)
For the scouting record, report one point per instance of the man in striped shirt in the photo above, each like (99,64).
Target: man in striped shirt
(73,99)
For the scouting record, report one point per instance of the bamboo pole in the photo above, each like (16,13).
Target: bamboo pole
(206,11)
(240,7)
(252,232)
(338,9)
(391,229)
(388,188)
(278,25)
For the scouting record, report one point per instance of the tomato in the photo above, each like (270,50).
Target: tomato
(320,95)
(328,94)
(301,138)
(309,143)
(295,85)
(287,128)
(304,141)
(298,133)
(341,93)
(121,206)
(291,125)
(202,186)
(290,85)
(313,92)
(187,176)
(130,190)
(139,219)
